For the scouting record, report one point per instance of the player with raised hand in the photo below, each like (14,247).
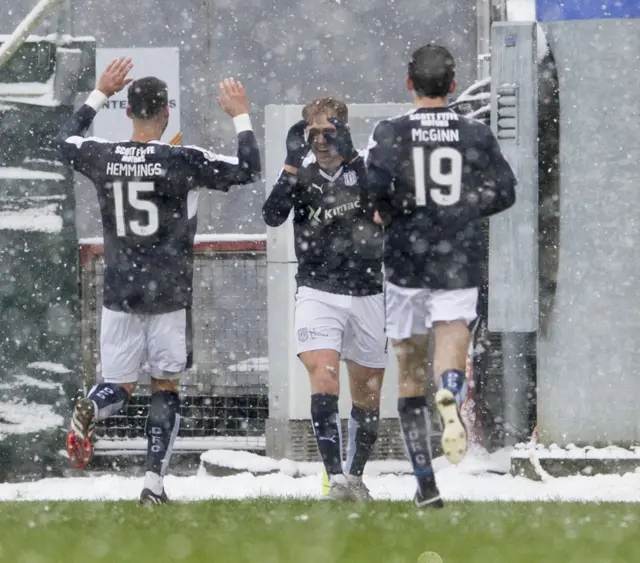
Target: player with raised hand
(143,188)
(434,176)
(339,312)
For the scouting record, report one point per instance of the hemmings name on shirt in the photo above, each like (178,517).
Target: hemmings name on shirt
(135,170)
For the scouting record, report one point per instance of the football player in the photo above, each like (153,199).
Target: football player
(143,188)
(339,308)
(435,176)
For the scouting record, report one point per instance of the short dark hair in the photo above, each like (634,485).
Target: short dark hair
(432,70)
(329,106)
(147,97)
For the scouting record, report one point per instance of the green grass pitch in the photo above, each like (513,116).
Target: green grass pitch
(271,531)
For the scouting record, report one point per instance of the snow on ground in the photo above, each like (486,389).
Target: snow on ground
(574,452)
(469,481)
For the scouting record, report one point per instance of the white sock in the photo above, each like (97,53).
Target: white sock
(154,482)
(339,478)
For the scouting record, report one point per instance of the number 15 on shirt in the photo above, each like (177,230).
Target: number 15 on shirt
(132,191)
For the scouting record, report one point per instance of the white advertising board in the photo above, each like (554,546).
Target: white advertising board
(112,122)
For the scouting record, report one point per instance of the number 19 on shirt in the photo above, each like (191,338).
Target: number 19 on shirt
(451,179)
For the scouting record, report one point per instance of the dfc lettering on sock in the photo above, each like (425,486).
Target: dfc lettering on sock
(156,439)
(416,447)
(105,393)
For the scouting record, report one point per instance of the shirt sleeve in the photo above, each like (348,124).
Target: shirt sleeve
(80,152)
(380,167)
(499,182)
(219,172)
(281,200)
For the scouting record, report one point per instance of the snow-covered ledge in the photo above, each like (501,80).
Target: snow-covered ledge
(543,463)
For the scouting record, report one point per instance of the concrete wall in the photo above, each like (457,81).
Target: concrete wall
(285,52)
(589,362)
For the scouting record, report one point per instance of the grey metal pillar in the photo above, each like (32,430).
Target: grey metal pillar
(513,252)
(483,15)
(516,385)
(487,12)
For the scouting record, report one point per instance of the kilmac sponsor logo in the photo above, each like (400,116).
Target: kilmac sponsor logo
(320,214)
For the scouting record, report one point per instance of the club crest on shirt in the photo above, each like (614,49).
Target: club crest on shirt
(303,335)
(350,178)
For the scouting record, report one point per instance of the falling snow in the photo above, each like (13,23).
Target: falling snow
(287,53)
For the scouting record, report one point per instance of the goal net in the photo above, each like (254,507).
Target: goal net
(225,392)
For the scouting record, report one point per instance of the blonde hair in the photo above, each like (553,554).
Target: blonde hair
(331,107)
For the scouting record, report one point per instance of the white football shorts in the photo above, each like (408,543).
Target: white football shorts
(128,340)
(414,310)
(351,325)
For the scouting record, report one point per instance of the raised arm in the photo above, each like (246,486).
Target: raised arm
(281,200)
(220,172)
(74,148)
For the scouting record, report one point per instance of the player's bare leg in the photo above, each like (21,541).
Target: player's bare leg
(103,400)
(365,384)
(411,354)
(163,423)
(449,363)
(323,367)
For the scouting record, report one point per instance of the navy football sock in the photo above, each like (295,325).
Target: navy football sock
(162,428)
(363,433)
(414,422)
(326,427)
(455,381)
(109,399)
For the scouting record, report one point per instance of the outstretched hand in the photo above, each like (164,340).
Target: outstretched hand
(233,97)
(114,78)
